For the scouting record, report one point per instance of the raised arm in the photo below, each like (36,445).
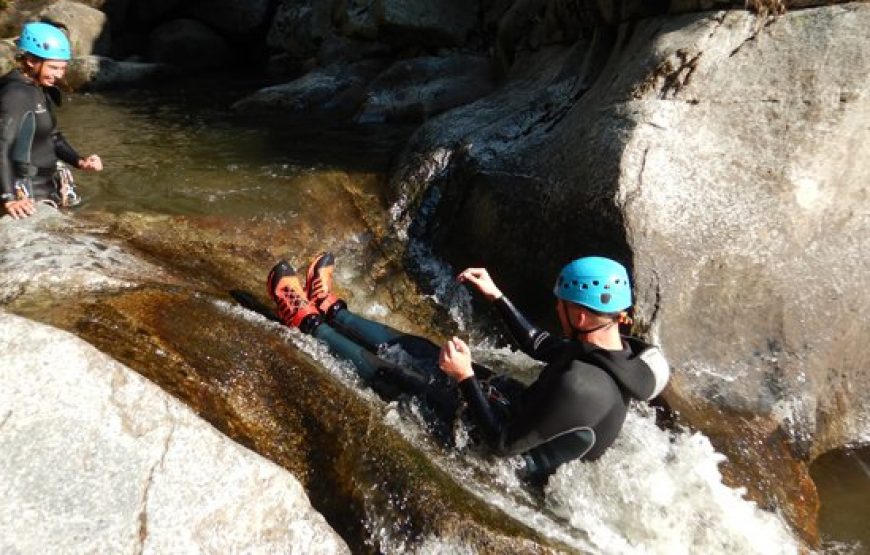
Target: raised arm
(535,342)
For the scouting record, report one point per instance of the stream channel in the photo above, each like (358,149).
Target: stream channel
(197,199)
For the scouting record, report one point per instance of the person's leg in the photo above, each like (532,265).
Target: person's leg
(366,363)
(392,379)
(368,332)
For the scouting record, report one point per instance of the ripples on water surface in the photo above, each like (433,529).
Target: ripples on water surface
(179,150)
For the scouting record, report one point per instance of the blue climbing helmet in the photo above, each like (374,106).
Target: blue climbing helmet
(44,41)
(595,282)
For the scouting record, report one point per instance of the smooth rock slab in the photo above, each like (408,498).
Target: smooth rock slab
(95,458)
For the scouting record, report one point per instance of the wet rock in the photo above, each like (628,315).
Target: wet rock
(680,147)
(334,91)
(97,458)
(336,49)
(419,88)
(358,18)
(298,28)
(99,72)
(7,57)
(88,27)
(230,16)
(40,251)
(188,44)
(150,12)
(762,457)
(445,23)
(265,392)
(762,7)
(262,387)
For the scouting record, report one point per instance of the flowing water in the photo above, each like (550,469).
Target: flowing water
(292,188)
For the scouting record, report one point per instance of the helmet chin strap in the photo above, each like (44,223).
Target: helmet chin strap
(577,332)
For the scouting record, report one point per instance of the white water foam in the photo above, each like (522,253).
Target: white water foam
(661,492)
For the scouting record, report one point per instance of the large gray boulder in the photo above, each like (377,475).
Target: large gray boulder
(419,88)
(725,162)
(230,16)
(99,72)
(358,18)
(333,91)
(424,22)
(188,44)
(299,27)
(7,56)
(88,27)
(95,458)
(445,23)
(150,12)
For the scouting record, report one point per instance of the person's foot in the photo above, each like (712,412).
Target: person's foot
(318,285)
(289,295)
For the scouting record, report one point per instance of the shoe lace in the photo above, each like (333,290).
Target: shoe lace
(321,284)
(289,303)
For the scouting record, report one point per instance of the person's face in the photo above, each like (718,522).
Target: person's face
(49,72)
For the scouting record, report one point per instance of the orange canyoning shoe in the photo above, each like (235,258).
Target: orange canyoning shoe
(289,295)
(318,286)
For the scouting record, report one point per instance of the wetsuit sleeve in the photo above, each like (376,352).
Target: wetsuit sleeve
(64,150)
(13,105)
(482,415)
(535,342)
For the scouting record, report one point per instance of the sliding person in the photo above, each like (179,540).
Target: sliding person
(575,408)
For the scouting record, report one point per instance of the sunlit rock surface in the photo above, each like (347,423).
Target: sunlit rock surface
(95,458)
(89,29)
(99,72)
(725,162)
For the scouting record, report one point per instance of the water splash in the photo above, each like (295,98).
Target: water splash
(661,492)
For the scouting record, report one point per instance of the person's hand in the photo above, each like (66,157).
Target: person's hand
(455,359)
(20,208)
(91,163)
(480,278)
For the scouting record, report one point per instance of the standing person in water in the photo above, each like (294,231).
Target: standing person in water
(573,410)
(30,144)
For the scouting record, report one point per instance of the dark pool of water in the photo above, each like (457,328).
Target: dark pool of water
(843,480)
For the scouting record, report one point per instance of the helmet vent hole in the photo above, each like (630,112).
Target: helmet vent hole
(595,283)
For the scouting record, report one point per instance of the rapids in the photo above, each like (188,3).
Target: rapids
(196,200)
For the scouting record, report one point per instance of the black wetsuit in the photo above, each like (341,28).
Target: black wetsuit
(30,143)
(575,408)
